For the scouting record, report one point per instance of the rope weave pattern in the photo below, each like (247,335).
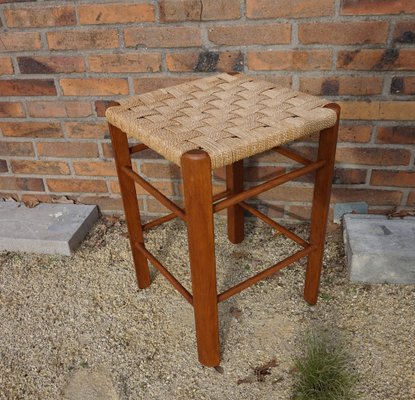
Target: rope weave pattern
(229,117)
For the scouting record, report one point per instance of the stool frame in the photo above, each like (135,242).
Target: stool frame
(201,204)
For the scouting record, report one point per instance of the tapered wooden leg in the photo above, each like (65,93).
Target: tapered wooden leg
(129,197)
(196,170)
(320,208)
(235,183)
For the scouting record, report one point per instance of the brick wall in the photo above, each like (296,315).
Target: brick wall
(63,62)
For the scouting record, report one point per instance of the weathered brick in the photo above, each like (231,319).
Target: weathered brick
(359,32)
(342,85)
(166,188)
(67,149)
(39,167)
(156,170)
(378,110)
(127,62)
(396,135)
(9,109)
(376,59)
(372,156)
(50,65)
(392,178)
(115,13)
(250,34)
(289,8)
(16,149)
(298,60)
(102,105)
(106,204)
(300,213)
(95,168)
(20,41)
(59,109)
(179,36)
(93,86)
(411,199)
(6,66)
(37,17)
(404,31)
(300,193)
(197,10)
(143,85)
(87,130)
(355,133)
(27,87)
(403,85)
(349,176)
(370,196)
(30,184)
(77,185)
(31,129)
(376,7)
(3,166)
(205,61)
(83,39)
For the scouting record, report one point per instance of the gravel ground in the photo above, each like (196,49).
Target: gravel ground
(70,320)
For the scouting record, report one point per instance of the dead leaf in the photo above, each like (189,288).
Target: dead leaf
(63,200)
(112,220)
(401,214)
(240,255)
(31,203)
(248,379)
(235,312)
(219,369)
(264,370)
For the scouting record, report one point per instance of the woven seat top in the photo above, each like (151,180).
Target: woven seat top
(229,117)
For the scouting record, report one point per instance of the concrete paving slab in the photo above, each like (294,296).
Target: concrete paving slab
(45,229)
(380,250)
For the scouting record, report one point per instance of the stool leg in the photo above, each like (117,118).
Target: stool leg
(129,197)
(197,183)
(320,208)
(235,183)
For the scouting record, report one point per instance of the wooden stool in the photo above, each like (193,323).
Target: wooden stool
(206,124)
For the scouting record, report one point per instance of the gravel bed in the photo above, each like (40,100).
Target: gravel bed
(70,320)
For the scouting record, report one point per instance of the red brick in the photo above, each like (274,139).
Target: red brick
(94,86)
(156,170)
(289,8)
(372,156)
(115,13)
(403,85)
(349,176)
(27,87)
(301,213)
(3,166)
(355,133)
(12,183)
(67,149)
(359,32)
(396,134)
(377,7)
(37,17)
(297,60)
(59,109)
(9,109)
(342,85)
(143,85)
(50,65)
(371,196)
(17,149)
(204,61)
(262,173)
(196,10)
(166,188)
(39,167)
(378,110)
(83,39)
(77,185)
(102,105)
(376,59)
(411,199)
(105,203)
(20,41)
(31,129)
(179,36)
(95,168)
(6,66)
(392,178)
(404,31)
(250,34)
(281,80)
(87,130)
(136,62)
(289,193)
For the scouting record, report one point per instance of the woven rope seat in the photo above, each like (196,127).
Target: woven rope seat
(229,117)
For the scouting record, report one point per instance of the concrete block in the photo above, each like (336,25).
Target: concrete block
(45,229)
(380,250)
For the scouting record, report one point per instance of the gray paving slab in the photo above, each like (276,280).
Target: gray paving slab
(380,250)
(45,229)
